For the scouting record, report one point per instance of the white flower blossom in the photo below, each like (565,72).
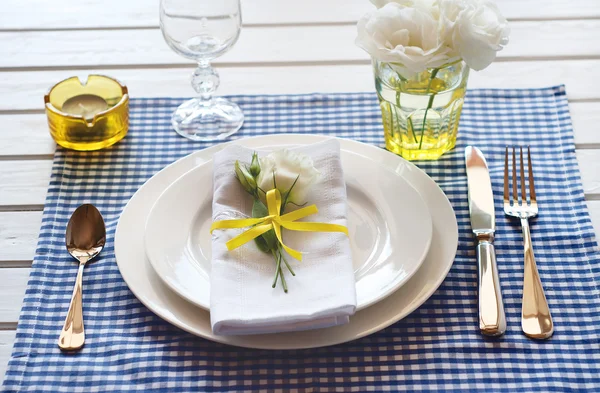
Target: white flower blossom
(405,36)
(474,29)
(287,166)
(415,35)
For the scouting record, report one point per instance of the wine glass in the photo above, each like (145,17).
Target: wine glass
(203,30)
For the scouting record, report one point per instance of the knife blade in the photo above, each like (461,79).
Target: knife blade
(492,320)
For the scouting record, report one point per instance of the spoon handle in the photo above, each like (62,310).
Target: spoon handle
(72,336)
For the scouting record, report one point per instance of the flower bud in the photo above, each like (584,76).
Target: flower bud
(255,165)
(246,179)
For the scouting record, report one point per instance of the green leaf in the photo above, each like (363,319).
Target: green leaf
(287,195)
(259,209)
(262,245)
(268,240)
(271,239)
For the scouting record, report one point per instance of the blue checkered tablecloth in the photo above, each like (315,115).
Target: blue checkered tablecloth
(437,348)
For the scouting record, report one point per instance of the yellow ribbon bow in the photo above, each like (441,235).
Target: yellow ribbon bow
(275,221)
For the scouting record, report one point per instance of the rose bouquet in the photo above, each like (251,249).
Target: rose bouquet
(422,49)
(415,35)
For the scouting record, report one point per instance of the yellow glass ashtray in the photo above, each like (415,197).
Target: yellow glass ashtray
(90,115)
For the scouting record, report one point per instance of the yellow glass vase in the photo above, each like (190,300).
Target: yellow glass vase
(420,114)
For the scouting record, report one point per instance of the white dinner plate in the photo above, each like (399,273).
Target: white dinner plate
(158,297)
(388,221)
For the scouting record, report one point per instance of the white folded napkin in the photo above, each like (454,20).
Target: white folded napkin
(322,294)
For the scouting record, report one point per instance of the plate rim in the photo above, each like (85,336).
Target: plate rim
(170,284)
(274,344)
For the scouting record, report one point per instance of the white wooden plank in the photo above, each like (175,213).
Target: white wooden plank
(553,39)
(548,9)
(323,44)
(26,89)
(36,14)
(25,134)
(32,14)
(147,47)
(27,226)
(586,123)
(594,209)
(13,282)
(589,164)
(24,183)
(18,235)
(7,338)
(540,74)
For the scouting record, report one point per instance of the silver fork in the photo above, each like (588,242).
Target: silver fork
(536,320)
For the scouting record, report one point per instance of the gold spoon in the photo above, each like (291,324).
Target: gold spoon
(85,238)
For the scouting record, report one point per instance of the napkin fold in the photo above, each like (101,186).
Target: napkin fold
(322,294)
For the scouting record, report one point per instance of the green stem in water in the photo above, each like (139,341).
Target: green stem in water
(394,112)
(429,104)
(412,130)
(391,119)
(399,88)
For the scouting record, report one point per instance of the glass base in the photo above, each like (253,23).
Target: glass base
(432,151)
(211,120)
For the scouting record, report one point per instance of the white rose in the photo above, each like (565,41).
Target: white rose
(288,166)
(474,29)
(405,36)
(429,6)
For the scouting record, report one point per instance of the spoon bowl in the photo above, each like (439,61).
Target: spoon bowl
(85,238)
(86,233)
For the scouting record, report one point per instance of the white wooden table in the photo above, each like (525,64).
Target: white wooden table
(286,46)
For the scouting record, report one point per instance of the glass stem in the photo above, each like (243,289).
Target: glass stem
(205,81)
(429,104)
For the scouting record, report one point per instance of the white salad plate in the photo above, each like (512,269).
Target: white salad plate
(149,288)
(388,222)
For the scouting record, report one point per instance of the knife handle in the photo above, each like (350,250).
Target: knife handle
(492,321)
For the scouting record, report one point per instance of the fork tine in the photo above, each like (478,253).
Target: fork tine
(523,192)
(514,177)
(506,180)
(531,185)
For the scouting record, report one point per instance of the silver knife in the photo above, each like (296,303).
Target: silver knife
(492,321)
